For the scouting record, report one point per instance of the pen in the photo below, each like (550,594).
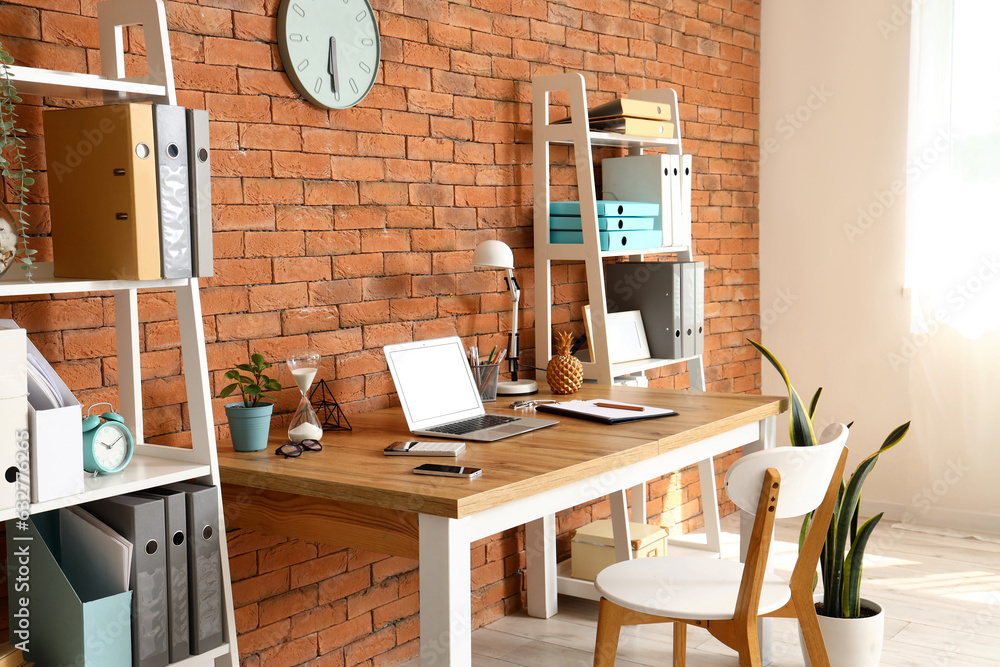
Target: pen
(492,352)
(633,408)
(503,353)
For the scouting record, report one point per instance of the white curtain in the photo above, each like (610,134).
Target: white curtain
(953,249)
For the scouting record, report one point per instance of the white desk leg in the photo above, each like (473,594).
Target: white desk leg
(620,528)
(540,567)
(638,511)
(768,440)
(445,595)
(710,505)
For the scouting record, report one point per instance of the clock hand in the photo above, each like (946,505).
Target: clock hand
(332,67)
(115,442)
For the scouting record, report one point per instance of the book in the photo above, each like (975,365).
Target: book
(640,127)
(626,107)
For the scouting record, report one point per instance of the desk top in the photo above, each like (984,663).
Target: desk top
(351,467)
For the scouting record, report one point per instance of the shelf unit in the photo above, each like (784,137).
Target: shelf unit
(577,134)
(152,465)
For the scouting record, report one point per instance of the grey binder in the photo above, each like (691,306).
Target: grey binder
(141,522)
(654,289)
(175,508)
(699,308)
(687,309)
(200,169)
(172,185)
(204,565)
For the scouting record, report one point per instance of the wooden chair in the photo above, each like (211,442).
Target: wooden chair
(723,596)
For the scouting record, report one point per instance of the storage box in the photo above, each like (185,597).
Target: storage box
(63,629)
(56,434)
(593,546)
(13,413)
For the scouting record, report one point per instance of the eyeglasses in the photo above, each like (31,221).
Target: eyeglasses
(531,403)
(291,450)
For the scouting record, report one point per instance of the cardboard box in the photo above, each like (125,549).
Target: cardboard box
(593,546)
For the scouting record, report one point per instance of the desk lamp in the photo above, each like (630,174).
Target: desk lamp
(498,255)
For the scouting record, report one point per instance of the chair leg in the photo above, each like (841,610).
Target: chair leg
(805,611)
(609,625)
(748,646)
(680,644)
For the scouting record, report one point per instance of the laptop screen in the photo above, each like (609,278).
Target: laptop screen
(434,381)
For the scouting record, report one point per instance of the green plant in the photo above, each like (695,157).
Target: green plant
(251,388)
(840,564)
(12,152)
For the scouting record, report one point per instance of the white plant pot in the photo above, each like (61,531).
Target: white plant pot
(851,642)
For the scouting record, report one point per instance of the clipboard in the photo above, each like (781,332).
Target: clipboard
(592,412)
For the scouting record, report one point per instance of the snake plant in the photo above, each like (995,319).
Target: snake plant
(843,553)
(12,159)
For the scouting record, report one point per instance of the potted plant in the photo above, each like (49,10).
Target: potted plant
(852,626)
(250,420)
(13,224)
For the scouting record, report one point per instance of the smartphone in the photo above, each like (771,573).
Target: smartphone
(448,471)
(416,448)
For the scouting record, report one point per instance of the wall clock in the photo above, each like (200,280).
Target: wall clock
(330,49)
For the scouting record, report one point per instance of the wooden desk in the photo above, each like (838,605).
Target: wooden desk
(350,495)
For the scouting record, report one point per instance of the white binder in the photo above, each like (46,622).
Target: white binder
(642,178)
(682,226)
(687,309)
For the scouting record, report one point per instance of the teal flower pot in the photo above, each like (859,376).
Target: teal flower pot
(249,427)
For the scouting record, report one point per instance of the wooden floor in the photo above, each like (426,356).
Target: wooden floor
(941,593)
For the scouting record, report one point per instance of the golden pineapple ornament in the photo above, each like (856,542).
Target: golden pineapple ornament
(564,372)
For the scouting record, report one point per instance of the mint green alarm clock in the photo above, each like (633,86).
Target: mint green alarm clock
(107,443)
(330,49)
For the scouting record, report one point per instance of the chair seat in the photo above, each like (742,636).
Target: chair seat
(685,587)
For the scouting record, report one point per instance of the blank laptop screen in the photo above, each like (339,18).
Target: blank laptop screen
(434,381)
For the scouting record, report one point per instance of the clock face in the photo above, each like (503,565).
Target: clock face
(112,446)
(330,49)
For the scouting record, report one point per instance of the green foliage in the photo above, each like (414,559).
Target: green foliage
(12,154)
(251,388)
(844,551)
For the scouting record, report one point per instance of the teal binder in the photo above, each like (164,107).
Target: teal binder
(63,629)
(648,239)
(608,207)
(604,223)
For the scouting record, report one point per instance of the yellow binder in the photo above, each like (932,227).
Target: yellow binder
(102,192)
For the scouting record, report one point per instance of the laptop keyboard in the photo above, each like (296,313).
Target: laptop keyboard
(474,424)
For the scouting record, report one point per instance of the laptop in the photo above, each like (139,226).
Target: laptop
(439,395)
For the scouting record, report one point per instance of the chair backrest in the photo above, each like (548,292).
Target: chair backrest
(805,474)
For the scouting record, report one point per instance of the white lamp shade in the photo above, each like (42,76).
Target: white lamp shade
(493,255)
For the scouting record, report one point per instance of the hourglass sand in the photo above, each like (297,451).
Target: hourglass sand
(304,364)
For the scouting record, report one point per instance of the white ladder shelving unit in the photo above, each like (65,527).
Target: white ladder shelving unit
(583,140)
(152,465)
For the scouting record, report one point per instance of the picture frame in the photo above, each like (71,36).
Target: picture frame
(626,335)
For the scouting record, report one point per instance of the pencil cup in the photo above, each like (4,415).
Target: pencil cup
(486,376)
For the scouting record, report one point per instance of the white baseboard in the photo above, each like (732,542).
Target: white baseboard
(961,520)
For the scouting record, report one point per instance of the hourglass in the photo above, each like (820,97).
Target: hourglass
(305,425)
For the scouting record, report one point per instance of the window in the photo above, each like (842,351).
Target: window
(953,166)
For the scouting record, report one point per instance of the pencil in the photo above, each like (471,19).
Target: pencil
(633,408)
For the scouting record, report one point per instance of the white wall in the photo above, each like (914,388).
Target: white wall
(834,81)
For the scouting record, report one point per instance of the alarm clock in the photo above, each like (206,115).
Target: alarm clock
(330,49)
(107,443)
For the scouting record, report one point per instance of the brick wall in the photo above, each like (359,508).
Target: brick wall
(350,229)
